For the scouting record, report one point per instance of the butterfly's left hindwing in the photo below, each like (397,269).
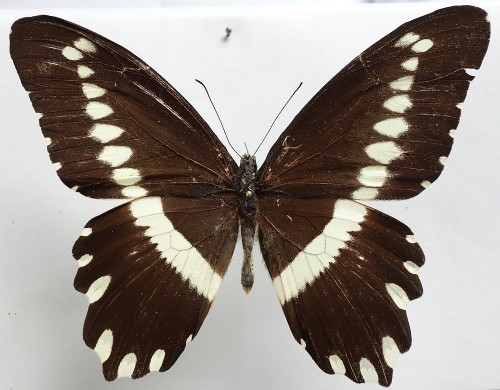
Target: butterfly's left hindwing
(113,127)
(151,269)
(344,274)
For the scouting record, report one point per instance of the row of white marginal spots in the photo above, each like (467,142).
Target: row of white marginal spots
(319,255)
(191,266)
(114,156)
(126,368)
(385,152)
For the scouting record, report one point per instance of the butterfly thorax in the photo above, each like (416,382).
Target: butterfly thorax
(246,176)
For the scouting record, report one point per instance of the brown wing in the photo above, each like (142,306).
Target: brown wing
(344,274)
(383,127)
(151,269)
(114,128)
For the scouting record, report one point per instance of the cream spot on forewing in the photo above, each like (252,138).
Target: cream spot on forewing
(452,133)
(104,133)
(127,366)
(157,360)
(460,105)
(368,371)
(126,176)
(398,103)
(75,188)
(86,232)
(398,295)
(84,71)
(72,54)
(84,260)
(384,152)
(134,192)
(321,252)
(443,159)
(337,364)
(115,155)
(392,127)
(411,267)
(411,239)
(39,115)
(189,339)
(410,64)
(188,263)
(422,46)
(471,71)
(98,110)
(104,345)
(57,165)
(98,288)
(92,91)
(365,193)
(303,343)
(48,141)
(402,84)
(85,45)
(373,176)
(407,39)
(425,183)
(349,211)
(390,350)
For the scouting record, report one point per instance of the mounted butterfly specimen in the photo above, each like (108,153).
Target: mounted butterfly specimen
(344,273)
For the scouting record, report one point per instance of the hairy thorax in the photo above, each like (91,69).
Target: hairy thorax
(247,173)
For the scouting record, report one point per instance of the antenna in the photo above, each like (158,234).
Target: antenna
(209,98)
(290,98)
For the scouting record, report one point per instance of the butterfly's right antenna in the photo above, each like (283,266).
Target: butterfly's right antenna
(290,98)
(209,98)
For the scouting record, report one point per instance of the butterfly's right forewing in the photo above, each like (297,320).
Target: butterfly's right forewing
(383,127)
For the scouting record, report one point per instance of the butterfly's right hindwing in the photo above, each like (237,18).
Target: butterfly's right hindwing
(344,274)
(113,127)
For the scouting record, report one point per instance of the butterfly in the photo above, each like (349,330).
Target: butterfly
(344,273)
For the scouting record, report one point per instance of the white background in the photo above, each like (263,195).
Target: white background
(245,342)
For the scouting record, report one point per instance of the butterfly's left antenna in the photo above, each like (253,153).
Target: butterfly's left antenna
(206,90)
(272,124)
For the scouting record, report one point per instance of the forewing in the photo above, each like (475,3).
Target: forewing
(151,269)
(113,127)
(383,127)
(344,274)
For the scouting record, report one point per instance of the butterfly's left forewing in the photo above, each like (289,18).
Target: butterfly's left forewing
(114,128)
